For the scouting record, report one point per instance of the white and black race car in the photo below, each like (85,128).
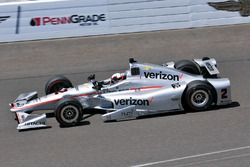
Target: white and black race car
(144,89)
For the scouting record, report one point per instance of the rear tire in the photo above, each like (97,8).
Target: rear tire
(188,66)
(56,83)
(69,112)
(198,96)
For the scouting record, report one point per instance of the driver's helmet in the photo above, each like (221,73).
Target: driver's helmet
(118,77)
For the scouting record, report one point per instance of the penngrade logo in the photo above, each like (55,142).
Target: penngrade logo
(241,6)
(82,20)
(3,18)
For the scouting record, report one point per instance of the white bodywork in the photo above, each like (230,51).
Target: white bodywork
(148,89)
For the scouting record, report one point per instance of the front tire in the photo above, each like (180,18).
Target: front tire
(198,96)
(57,83)
(69,112)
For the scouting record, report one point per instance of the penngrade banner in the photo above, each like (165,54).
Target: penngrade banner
(35,20)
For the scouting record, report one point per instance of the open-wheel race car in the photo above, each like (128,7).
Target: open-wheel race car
(144,89)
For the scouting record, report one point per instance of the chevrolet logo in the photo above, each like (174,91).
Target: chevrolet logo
(3,18)
(241,6)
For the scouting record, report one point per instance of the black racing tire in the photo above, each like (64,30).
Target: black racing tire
(188,66)
(56,83)
(198,96)
(69,112)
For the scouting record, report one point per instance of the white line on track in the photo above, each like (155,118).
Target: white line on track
(213,160)
(193,156)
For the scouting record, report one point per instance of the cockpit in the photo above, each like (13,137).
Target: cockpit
(115,78)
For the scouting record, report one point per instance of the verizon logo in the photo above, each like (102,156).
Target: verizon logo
(131,101)
(161,75)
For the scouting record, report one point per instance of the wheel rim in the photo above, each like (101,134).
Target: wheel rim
(70,114)
(199,98)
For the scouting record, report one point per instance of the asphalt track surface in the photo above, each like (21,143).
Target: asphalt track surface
(216,138)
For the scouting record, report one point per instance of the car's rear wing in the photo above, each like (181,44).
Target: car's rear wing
(209,64)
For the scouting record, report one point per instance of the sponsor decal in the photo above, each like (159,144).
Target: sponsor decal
(131,101)
(176,85)
(241,6)
(82,20)
(209,66)
(34,123)
(128,114)
(147,68)
(3,18)
(161,75)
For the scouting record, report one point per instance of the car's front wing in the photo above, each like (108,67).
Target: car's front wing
(30,121)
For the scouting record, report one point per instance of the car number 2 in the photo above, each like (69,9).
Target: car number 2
(224,94)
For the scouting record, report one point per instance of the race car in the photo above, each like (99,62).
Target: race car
(144,89)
